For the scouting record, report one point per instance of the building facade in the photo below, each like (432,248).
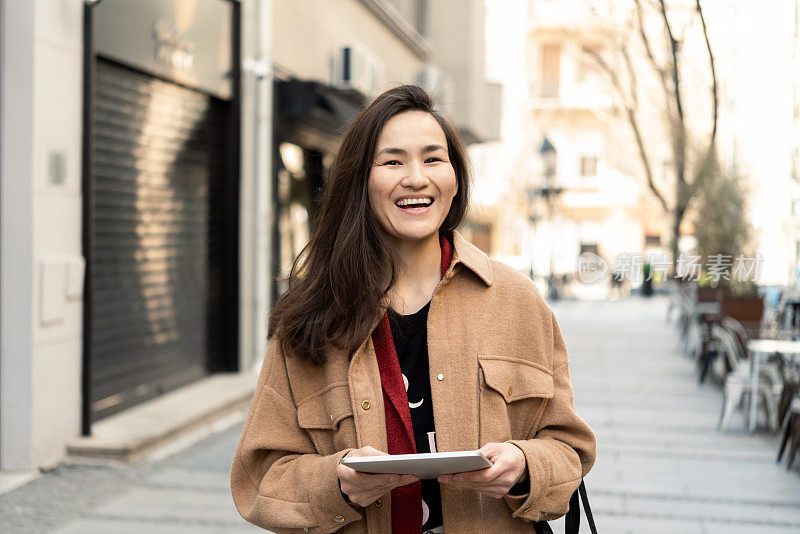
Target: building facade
(585,191)
(332,57)
(160,166)
(126,171)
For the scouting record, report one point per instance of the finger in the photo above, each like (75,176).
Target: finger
(374,480)
(344,471)
(382,482)
(481,476)
(372,451)
(366,496)
(346,476)
(488,448)
(491,450)
(365,451)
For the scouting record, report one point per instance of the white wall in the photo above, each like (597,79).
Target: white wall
(16,133)
(255,189)
(42,267)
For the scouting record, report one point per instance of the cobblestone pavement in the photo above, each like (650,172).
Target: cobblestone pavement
(662,465)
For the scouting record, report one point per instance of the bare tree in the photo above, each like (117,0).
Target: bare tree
(668,66)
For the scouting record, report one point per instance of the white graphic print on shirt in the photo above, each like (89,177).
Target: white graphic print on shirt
(411,404)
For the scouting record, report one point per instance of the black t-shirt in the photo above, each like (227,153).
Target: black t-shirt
(410,335)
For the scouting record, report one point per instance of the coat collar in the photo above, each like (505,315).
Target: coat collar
(472,257)
(463,252)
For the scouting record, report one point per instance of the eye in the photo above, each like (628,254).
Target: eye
(392,162)
(433,158)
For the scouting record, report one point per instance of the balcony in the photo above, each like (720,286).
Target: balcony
(577,96)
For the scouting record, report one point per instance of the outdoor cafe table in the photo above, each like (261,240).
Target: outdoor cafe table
(762,348)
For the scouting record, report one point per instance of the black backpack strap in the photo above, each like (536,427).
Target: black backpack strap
(572,521)
(585,499)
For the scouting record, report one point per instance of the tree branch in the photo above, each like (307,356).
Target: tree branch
(661,72)
(634,85)
(630,109)
(679,135)
(707,160)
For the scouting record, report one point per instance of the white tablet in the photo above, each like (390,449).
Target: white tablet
(425,465)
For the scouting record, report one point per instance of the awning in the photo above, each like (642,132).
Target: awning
(312,114)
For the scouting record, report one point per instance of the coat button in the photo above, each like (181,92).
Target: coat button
(510,389)
(365,405)
(338,519)
(440,377)
(378,503)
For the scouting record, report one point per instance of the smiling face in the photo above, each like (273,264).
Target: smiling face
(412,182)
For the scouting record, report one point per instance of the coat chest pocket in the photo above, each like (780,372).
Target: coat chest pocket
(328,419)
(513,395)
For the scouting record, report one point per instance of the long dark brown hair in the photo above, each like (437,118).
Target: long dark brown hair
(338,280)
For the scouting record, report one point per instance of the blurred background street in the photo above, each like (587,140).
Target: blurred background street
(665,466)
(161,164)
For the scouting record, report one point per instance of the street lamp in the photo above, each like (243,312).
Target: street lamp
(549,157)
(548,153)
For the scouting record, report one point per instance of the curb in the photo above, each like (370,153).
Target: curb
(130,434)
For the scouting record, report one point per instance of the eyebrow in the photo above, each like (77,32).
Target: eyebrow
(426,149)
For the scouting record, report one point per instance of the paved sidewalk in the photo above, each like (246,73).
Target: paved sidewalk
(183,488)
(662,464)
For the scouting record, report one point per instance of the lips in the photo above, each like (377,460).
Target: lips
(415,209)
(408,201)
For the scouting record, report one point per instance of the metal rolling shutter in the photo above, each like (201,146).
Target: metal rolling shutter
(159,165)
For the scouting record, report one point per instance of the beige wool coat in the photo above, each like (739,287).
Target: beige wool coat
(498,373)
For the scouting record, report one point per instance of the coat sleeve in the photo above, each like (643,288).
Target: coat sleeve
(278,481)
(561,450)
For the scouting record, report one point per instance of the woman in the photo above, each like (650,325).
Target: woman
(398,335)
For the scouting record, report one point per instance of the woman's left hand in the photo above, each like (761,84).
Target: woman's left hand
(508,468)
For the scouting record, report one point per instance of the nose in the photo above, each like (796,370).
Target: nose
(416,177)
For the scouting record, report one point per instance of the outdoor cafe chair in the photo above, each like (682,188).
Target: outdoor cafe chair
(791,385)
(791,432)
(708,354)
(738,385)
(705,314)
(686,321)
(776,368)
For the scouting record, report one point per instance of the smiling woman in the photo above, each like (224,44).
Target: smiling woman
(396,336)
(412,182)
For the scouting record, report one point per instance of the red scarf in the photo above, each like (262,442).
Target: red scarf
(406,500)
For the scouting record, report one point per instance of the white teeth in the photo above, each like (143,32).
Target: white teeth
(411,201)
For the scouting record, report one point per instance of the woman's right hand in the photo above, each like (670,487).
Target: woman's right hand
(364,488)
